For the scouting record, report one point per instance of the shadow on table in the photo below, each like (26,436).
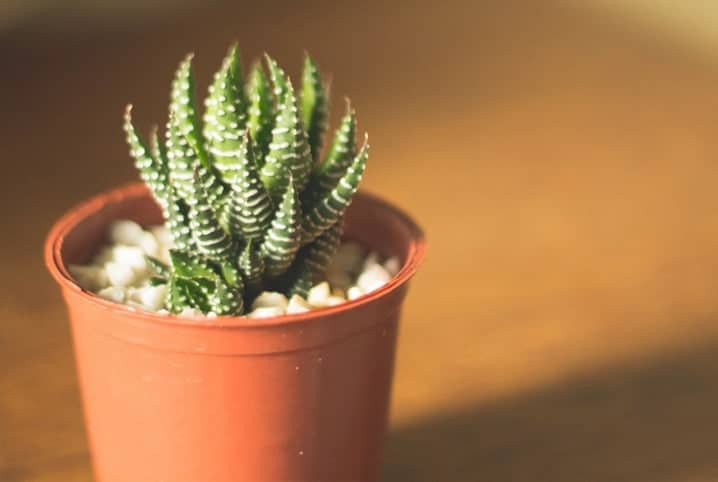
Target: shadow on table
(645,422)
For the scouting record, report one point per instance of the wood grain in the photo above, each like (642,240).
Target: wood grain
(563,165)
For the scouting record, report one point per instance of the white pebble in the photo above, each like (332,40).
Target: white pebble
(270,299)
(126,232)
(149,245)
(112,293)
(319,294)
(163,312)
(152,298)
(373,277)
(162,235)
(130,256)
(354,293)
(120,274)
(335,300)
(211,315)
(347,259)
(266,312)
(371,259)
(190,313)
(297,304)
(392,265)
(90,278)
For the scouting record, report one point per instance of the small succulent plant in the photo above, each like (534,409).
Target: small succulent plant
(250,202)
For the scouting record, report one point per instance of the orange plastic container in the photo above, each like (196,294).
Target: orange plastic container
(301,398)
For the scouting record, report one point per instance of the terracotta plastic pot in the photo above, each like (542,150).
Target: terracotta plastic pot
(294,398)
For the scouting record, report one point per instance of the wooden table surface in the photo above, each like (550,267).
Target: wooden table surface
(564,165)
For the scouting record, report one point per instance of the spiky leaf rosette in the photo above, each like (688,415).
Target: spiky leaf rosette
(211,239)
(225,118)
(152,167)
(312,261)
(251,264)
(289,151)
(330,208)
(314,106)
(337,161)
(261,111)
(284,235)
(250,207)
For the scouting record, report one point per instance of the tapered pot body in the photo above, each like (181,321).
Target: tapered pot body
(294,398)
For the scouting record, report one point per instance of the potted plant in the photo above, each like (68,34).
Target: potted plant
(226,358)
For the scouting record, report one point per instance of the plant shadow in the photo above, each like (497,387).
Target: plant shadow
(644,422)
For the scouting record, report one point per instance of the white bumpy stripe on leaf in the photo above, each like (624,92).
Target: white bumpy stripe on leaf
(225,118)
(332,206)
(211,239)
(289,151)
(153,168)
(314,106)
(251,264)
(250,208)
(261,112)
(283,237)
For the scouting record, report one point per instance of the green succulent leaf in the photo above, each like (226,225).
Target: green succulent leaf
(157,281)
(335,164)
(188,265)
(225,118)
(289,151)
(251,264)
(225,300)
(178,221)
(210,237)
(152,166)
(184,111)
(158,267)
(331,207)
(261,111)
(190,293)
(314,106)
(250,207)
(284,236)
(280,79)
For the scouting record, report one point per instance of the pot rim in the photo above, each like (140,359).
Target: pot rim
(416,252)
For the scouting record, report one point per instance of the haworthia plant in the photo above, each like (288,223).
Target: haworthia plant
(249,200)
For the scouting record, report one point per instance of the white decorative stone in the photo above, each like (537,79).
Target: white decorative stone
(270,299)
(211,315)
(266,312)
(91,277)
(162,235)
(371,259)
(335,300)
(126,232)
(130,256)
(120,274)
(319,294)
(112,293)
(191,313)
(163,312)
(373,277)
(392,265)
(297,304)
(152,298)
(149,244)
(354,293)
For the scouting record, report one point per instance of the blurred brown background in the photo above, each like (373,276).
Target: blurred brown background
(561,156)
